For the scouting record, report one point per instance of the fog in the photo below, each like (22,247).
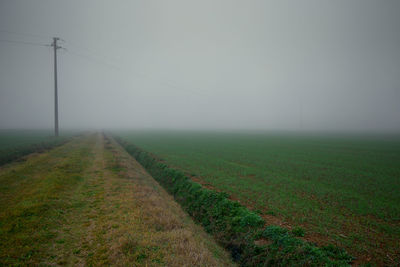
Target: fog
(210,64)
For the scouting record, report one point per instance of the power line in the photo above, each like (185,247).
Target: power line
(26,34)
(22,42)
(98,58)
(93,59)
(161,81)
(83,48)
(89,55)
(55,48)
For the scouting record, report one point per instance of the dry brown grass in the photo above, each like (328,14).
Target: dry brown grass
(163,233)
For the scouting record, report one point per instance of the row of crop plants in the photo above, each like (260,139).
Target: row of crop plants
(10,154)
(238,229)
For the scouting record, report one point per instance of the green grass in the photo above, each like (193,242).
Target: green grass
(32,206)
(239,230)
(69,206)
(341,189)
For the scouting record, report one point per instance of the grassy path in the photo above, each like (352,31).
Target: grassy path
(89,203)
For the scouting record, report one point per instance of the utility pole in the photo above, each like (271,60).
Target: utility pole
(55,47)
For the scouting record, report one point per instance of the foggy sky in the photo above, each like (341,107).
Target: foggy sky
(324,65)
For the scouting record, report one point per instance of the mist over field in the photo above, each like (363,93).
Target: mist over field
(270,65)
(199,133)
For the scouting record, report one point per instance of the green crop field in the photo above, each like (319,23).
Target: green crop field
(17,143)
(343,190)
(10,139)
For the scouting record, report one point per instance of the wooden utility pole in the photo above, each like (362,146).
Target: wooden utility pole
(55,47)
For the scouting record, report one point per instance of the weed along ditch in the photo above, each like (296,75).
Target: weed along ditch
(249,238)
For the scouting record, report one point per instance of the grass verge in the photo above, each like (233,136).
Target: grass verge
(88,203)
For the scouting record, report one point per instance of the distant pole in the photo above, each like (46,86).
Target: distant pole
(55,47)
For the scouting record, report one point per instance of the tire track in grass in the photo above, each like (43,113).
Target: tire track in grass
(33,204)
(88,203)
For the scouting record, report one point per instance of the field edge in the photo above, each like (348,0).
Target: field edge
(238,229)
